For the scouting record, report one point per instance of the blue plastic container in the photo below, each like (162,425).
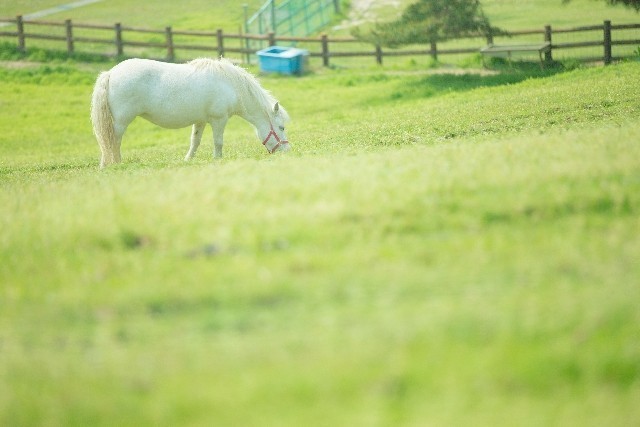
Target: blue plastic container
(285,60)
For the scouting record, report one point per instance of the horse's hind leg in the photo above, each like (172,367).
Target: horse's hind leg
(119,130)
(111,149)
(110,143)
(196,137)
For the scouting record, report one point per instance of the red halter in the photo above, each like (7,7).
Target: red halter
(272,132)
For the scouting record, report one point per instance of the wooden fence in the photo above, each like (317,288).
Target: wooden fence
(123,38)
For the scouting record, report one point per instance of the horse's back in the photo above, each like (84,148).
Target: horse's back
(170,95)
(132,70)
(138,76)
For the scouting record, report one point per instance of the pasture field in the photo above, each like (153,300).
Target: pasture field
(435,250)
(519,14)
(186,14)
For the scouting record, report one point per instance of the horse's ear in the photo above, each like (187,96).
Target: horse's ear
(276,107)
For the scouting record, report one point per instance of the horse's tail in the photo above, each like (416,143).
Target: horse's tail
(102,120)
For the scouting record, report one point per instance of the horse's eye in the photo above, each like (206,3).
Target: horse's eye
(282,128)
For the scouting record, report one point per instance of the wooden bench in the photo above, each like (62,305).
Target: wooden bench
(506,51)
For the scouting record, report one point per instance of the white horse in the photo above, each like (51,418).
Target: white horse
(178,95)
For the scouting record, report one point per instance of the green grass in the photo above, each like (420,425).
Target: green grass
(534,13)
(436,250)
(531,14)
(189,14)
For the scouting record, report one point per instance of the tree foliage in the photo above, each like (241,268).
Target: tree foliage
(430,20)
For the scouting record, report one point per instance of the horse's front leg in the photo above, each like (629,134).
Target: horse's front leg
(196,137)
(218,126)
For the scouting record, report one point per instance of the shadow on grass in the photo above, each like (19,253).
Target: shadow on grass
(10,52)
(7,172)
(500,73)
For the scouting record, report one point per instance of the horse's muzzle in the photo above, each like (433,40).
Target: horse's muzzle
(284,146)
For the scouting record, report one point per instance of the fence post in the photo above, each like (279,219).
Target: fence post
(378,54)
(321,10)
(69,31)
(220,41)
(169,37)
(607,42)
(245,10)
(325,50)
(292,28)
(119,47)
(21,44)
(247,30)
(271,38)
(274,24)
(548,56)
(306,17)
(434,50)
(243,46)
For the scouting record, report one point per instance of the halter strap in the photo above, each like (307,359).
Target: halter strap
(273,133)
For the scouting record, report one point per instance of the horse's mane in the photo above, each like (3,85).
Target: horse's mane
(245,84)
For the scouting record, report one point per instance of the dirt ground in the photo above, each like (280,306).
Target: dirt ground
(363,11)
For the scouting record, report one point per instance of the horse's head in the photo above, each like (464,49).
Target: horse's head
(274,138)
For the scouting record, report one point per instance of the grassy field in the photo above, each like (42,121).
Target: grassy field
(436,250)
(189,14)
(533,13)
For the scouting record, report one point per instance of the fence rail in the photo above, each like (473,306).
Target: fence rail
(124,38)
